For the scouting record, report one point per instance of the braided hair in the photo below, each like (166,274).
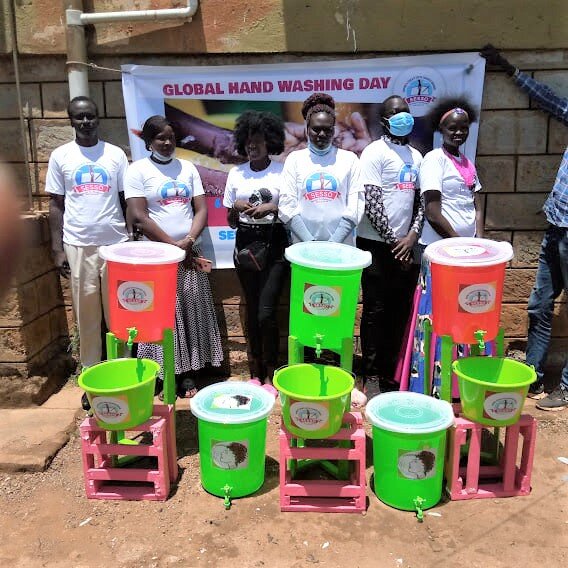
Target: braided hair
(318,102)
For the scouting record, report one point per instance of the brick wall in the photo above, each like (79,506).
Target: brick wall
(518,154)
(34,336)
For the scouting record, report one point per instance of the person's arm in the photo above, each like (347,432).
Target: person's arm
(354,206)
(376,212)
(121,173)
(343,230)
(137,214)
(197,226)
(479,225)
(543,95)
(433,212)
(403,249)
(56,212)
(200,136)
(288,207)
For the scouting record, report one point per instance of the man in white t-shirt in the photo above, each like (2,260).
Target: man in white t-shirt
(86,210)
(389,230)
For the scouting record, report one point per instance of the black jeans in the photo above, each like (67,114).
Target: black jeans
(387,298)
(262,291)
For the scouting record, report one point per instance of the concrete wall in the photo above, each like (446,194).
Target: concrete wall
(519,146)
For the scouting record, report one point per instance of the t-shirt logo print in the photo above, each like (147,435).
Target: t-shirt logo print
(407,177)
(321,186)
(260,196)
(91,179)
(173,191)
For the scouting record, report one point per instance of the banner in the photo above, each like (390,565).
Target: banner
(204,102)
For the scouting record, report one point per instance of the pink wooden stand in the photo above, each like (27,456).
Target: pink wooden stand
(98,456)
(325,496)
(506,479)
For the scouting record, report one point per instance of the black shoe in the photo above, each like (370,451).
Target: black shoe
(556,400)
(158,387)
(85,402)
(372,387)
(536,390)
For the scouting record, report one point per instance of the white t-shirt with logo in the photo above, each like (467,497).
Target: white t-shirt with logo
(90,178)
(322,189)
(255,187)
(168,189)
(394,168)
(438,173)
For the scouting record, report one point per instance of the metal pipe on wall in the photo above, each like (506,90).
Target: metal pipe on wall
(78,75)
(77,72)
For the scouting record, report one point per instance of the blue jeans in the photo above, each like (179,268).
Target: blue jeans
(551,279)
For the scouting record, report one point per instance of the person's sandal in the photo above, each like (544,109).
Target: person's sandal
(187,389)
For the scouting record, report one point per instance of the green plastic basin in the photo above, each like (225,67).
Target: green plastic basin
(120,391)
(493,389)
(314,398)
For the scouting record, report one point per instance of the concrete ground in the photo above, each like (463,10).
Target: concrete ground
(30,437)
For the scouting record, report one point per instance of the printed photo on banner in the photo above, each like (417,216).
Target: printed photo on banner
(203,104)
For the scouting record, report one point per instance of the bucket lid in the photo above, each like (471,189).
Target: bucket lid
(409,413)
(469,251)
(325,255)
(232,402)
(142,252)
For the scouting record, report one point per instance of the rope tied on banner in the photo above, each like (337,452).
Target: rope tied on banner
(96,67)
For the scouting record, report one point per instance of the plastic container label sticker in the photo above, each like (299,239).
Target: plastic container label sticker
(417,465)
(322,300)
(477,298)
(502,405)
(232,401)
(464,251)
(135,296)
(309,415)
(230,455)
(113,410)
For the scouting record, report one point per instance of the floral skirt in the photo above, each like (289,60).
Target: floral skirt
(197,341)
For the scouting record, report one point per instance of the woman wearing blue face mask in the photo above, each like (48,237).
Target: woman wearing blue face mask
(322,198)
(389,230)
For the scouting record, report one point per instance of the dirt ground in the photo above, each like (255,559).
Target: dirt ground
(46,521)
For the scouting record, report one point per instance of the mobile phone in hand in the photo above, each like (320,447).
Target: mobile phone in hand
(202,264)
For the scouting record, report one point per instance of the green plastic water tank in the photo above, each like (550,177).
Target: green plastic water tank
(232,420)
(409,444)
(324,291)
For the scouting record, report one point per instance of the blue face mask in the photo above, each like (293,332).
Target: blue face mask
(401,124)
(319,151)
(163,159)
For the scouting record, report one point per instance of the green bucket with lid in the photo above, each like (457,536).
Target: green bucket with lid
(232,422)
(324,291)
(493,389)
(314,398)
(409,444)
(121,391)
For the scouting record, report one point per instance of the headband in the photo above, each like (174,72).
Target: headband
(457,110)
